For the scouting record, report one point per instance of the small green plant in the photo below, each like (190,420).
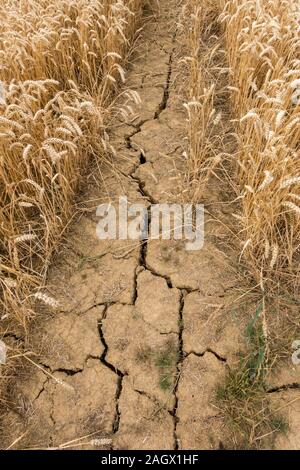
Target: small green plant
(144,355)
(257,360)
(166,363)
(242,397)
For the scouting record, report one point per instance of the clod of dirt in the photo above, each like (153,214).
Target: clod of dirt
(78,405)
(155,137)
(154,299)
(209,325)
(68,340)
(159,178)
(208,271)
(141,351)
(199,423)
(145,424)
(150,101)
(115,282)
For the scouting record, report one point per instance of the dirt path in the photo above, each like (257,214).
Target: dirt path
(142,336)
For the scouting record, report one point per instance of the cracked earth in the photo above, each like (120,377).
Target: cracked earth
(143,335)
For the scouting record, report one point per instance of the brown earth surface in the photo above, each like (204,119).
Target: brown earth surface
(144,333)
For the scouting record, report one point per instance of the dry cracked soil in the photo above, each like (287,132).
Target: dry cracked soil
(143,336)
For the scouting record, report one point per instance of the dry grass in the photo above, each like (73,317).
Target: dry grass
(61,65)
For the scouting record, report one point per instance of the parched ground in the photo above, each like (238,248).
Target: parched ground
(144,333)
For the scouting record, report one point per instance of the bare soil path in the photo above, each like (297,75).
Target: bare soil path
(143,335)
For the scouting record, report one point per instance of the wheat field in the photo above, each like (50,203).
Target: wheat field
(61,65)
(263,38)
(261,41)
